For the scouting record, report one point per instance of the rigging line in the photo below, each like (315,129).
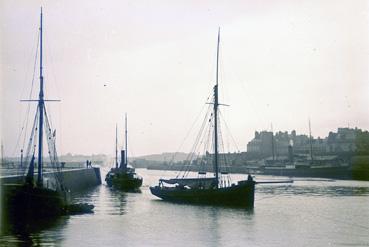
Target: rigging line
(227,134)
(202,137)
(31,142)
(199,137)
(50,138)
(224,156)
(208,137)
(188,132)
(52,153)
(212,148)
(29,62)
(221,149)
(191,155)
(209,145)
(208,141)
(49,135)
(189,160)
(229,131)
(226,162)
(31,91)
(50,121)
(25,121)
(194,148)
(32,134)
(53,80)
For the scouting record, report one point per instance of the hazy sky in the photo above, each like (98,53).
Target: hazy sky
(281,62)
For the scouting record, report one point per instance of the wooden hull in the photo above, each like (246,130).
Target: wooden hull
(27,202)
(240,195)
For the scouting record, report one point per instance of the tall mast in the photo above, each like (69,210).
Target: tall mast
(126,140)
(310,141)
(216,104)
(41,107)
(116,146)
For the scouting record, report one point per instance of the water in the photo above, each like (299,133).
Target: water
(305,213)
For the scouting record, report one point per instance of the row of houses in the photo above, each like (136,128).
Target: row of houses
(267,143)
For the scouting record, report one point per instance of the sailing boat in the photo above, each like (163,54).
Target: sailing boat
(122,176)
(45,197)
(213,190)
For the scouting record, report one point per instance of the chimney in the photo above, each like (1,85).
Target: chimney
(123,164)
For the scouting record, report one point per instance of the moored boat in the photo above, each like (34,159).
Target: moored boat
(238,195)
(216,190)
(43,197)
(40,197)
(123,177)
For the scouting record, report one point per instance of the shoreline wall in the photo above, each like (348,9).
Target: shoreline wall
(74,179)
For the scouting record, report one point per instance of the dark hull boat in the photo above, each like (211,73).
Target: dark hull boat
(29,201)
(38,199)
(123,180)
(218,189)
(43,197)
(240,195)
(123,177)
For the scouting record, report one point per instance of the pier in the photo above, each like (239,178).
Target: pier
(74,178)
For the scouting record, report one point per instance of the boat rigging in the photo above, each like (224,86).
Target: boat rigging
(202,190)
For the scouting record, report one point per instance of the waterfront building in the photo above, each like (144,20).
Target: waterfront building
(264,143)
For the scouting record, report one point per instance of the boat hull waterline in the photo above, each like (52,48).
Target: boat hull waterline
(240,195)
(28,201)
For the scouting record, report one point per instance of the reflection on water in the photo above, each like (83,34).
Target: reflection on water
(284,215)
(35,232)
(107,201)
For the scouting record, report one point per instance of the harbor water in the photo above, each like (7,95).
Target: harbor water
(308,212)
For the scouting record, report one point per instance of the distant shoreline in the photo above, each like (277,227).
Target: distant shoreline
(358,171)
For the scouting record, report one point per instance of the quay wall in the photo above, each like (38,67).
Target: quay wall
(82,178)
(74,179)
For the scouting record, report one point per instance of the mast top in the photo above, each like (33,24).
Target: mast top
(217,56)
(41,18)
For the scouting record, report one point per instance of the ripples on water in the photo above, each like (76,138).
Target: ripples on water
(305,213)
(315,190)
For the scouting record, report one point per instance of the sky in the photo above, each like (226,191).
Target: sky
(281,63)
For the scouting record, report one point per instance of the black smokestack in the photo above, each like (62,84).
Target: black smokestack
(123,164)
